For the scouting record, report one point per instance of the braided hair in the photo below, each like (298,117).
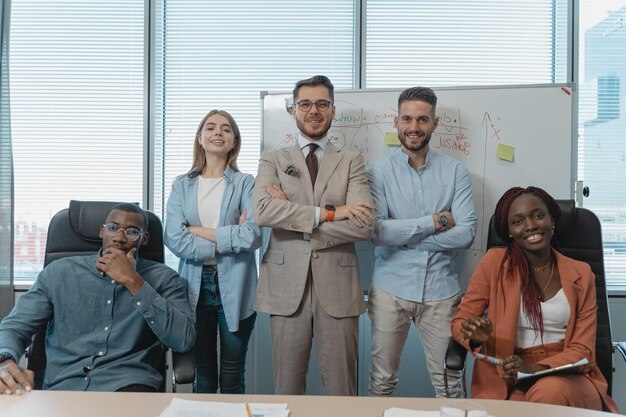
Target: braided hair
(531,293)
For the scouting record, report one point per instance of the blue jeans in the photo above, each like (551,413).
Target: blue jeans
(210,319)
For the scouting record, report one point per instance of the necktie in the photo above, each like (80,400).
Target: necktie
(311,162)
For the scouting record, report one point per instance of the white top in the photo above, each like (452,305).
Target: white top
(555,313)
(210,193)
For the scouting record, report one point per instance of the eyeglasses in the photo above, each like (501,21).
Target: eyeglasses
(112,229)
(306,105)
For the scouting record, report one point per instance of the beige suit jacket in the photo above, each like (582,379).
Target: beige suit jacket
(330,251)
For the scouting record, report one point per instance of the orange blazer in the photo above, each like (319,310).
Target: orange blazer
(490,290)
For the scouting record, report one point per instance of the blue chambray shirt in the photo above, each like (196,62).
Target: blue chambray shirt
(236,265)
(412,261)
(100,338)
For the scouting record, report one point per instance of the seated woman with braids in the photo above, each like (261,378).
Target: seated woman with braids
(541,311)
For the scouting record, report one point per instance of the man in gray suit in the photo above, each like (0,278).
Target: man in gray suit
(316,199)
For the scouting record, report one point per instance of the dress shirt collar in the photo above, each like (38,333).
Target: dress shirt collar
(398,155)
(304,142)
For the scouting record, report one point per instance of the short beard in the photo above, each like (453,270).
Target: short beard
(417,148)
(309,134)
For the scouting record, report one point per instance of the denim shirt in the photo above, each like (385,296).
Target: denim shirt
(412,261)
(236,265)
(99,337)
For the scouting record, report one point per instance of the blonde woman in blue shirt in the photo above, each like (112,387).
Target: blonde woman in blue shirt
(210,228)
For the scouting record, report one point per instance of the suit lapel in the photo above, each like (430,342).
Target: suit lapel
(507,313)
(331,158)
(296,158)
(569,283)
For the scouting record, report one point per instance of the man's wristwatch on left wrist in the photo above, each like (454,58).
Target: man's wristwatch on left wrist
(4,356)
(330,212)
(443,221)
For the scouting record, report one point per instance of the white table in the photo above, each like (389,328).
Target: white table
(104,404)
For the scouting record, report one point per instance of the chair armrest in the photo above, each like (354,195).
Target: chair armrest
(183,368)
(621,347)
(455,356)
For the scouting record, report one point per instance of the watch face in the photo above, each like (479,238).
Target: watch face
(443,220)
(329,207)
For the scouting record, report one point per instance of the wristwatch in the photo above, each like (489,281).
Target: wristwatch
(330,212)
(443,221)
(4,356)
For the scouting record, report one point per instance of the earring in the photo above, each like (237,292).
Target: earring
(511,236)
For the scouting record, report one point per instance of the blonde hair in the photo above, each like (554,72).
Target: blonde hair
(199,158)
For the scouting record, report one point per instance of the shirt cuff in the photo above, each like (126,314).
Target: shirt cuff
(224,239)
(317,217)
(9,355)
(427,224)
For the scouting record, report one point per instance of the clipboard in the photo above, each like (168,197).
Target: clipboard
(557,370)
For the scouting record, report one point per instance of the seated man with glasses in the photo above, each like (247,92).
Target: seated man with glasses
(109,316)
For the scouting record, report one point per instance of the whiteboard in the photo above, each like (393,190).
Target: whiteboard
(536,120)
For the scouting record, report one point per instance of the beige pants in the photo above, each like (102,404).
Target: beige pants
(336,346)
(391,318)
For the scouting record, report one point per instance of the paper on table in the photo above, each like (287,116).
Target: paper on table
(583,361)
(192,408)
(403,412)
(189,408)
(269,409)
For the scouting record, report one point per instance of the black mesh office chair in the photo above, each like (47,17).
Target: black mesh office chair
(579,236)
(74,232)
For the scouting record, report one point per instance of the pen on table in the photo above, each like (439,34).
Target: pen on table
(488,358)
(248,410)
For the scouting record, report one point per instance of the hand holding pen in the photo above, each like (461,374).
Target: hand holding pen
(476,329)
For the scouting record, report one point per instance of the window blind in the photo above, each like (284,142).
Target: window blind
(76,84)
(459,42)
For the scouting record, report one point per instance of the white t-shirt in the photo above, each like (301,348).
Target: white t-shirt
(210,193)
(555,313)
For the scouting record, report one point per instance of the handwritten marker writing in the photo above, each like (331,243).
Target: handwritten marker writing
(566,91)
(488,358)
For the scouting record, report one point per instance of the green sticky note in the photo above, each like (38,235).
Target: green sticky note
(505,152)
(391,138)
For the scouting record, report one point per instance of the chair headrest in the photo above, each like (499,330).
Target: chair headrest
(86,217)
(568,216)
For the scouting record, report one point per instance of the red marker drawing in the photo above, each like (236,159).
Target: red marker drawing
(566,91)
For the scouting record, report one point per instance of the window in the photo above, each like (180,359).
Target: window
(76,74)
(223,54)
(608,97)
(454,43)
(602,125)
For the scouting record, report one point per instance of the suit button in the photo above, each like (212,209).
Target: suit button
(315,256)
(329,244)
(294,226)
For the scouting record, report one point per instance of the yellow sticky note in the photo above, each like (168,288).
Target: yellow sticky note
(505,152)
(391,138)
